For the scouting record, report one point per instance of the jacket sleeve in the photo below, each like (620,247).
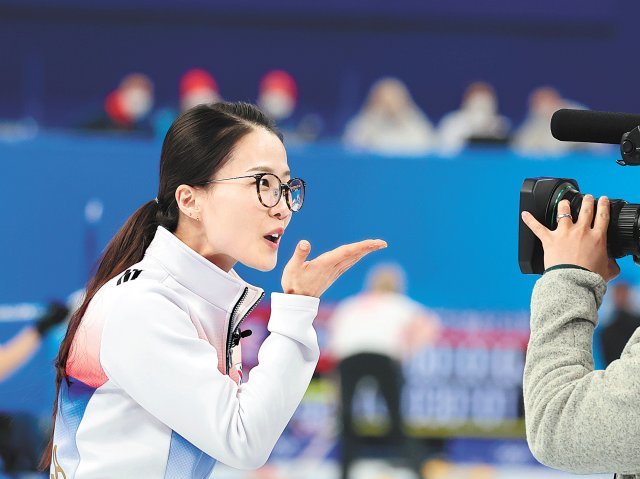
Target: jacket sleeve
(150,348)
(578,419)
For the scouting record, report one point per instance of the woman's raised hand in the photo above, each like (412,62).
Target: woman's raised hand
(312,278)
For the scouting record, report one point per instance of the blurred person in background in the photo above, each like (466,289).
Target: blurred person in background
(534,136)
(127,108)
(477,121)
(149,375)
(278,98)
(370,335)
(390,122)
(19,349)
(198,87)
(277,95)
(624,322)
(20,443)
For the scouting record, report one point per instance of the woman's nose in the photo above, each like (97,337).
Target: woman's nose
(281,210)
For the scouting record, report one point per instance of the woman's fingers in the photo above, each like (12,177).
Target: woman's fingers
(586,212)
(312,278)
(345,264)
(580,245)
(535,226)
(352,250)
(564,217)
(602,218)
(301,253)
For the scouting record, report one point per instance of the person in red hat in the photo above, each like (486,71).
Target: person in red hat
(128,107)
(278,98)
(278,94)
(198,87)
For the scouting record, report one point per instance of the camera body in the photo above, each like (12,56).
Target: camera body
(541,196)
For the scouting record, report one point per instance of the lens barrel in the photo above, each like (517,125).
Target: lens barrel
(626,239)
(623,230)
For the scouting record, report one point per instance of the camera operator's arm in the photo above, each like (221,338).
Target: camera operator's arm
(578,419)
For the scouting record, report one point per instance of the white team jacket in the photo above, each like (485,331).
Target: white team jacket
(150,392)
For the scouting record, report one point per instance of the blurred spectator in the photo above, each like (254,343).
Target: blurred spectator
(278,98)
(127,108)
(277,95)
(18,130)
(370,335)
(534,135)
(198,87)
(20,444)
(624,322)
(390,122)
(477,120)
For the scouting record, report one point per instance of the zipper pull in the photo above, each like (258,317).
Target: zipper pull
(238,335)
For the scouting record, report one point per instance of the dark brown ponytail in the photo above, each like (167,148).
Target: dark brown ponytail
(196,146)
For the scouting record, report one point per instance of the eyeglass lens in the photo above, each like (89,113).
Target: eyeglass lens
(270,192)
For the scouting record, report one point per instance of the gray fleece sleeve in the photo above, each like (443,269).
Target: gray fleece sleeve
(578,419)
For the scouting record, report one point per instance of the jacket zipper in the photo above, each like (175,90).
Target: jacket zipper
(230,331)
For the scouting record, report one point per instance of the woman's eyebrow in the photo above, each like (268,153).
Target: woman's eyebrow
(267,169)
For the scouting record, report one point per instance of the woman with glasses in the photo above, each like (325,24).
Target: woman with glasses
(148,378)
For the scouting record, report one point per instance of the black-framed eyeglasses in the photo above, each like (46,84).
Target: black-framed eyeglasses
(270,188)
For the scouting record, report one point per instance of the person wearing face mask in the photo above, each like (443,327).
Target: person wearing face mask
(477,120)
(278,99)
(278,94)
(198,87)
(533,137)
(149,382)
(127,108)
(390,122)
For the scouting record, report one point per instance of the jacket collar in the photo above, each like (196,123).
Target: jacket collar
(202,277)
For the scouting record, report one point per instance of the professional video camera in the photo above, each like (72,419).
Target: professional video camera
(540,196)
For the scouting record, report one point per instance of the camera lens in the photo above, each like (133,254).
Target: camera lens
(623,233)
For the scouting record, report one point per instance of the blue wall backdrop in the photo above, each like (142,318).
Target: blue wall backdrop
(452,222)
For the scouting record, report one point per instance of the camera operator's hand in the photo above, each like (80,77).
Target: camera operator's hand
(578,244)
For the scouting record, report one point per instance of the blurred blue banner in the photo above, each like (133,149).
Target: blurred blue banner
(451,222)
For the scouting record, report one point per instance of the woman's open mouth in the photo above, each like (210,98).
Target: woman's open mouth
(273,240)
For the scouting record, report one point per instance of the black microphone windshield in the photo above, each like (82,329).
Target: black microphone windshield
(592,126)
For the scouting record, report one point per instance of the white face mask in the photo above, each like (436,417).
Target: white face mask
(481,103)
(276,104)
(137,102)
(200,96)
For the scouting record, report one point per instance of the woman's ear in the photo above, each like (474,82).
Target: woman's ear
(187,200)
